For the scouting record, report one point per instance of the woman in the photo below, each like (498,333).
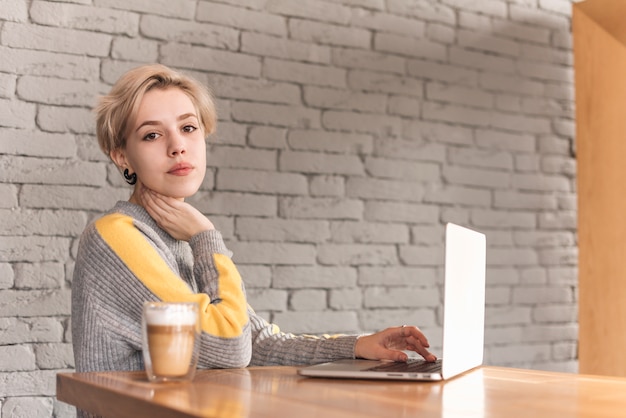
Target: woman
(153,125)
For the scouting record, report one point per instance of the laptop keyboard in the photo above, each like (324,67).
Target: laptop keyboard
(411,366)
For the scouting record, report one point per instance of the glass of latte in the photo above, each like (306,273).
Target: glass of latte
(171,333)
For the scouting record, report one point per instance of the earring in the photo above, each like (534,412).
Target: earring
(130,178)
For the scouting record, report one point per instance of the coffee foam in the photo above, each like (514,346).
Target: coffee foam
(160,316)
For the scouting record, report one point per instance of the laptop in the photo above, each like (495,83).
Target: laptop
(463,320)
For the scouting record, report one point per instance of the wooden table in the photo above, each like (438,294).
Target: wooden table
(280,392)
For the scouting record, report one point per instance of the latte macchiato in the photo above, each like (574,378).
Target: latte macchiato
(170,333)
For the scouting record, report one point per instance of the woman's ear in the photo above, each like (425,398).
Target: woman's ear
(119,158)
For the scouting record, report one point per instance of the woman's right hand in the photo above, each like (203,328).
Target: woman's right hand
(178,218)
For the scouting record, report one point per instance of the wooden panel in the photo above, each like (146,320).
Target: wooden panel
(600,70)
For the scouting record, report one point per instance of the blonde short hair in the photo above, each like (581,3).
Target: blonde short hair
(116,111)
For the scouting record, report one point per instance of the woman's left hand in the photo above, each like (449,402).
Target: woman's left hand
(389,343)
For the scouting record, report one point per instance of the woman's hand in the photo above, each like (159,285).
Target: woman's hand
(387,344)
(179,219)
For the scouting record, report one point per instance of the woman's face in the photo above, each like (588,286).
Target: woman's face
(166,146)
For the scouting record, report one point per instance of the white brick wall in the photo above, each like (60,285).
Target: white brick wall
(350,132)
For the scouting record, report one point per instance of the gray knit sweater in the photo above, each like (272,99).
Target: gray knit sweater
(124,259)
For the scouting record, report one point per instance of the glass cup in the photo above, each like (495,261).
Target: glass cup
(171,340)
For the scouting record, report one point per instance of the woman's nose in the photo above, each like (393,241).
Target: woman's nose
(176,146)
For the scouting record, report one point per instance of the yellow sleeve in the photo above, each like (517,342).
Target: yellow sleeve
(226,318)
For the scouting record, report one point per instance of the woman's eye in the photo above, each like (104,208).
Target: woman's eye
(151,136)
(189,128)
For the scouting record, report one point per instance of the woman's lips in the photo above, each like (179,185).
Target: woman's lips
(180,170)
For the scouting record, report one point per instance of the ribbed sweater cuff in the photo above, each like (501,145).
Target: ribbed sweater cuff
(209,242)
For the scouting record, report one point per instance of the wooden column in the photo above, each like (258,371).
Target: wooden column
(599,32)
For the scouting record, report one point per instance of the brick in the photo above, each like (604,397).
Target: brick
(307,322)
(282,230)
(481,61)
(400,169)
(332,98)
(31,383)
(43,63)
(235,157)
(276,115)
(255,276)
(549,144)
(47,275)
(522,354)
(490,44)
(74,16)
(233,87)
(43,222)
(383,189)
(522,32)
(508,315)
(6,276)
(551,333)
(414,255)
(534,16)
(558,256)
(309,162)
(70,197)
(477,177)
(54,356)
(400,212)
(49,171)
(308,300)
(207,59)
(398,276)
(135,49)
(482,158)
(385,83)
(547,54)
(357,254)
(56,91)
(271,46)
(366,233)
(422,68)
(507,83)
(405,106)
(184,9)
(268,299)
(272,253)
(67,119)
(387,22)
(33,248)
(459,95)
(426,234)
(185,32)
(563,313)
(377,319)
(268,137)
(493,218)
(369,123)
(542,183)
(442,112)
(227,133)
(28,303)
(328,34)
(362,59)
(27,330)
(399,297)
(304,73)
(17,358)
(14,11)
(426,11)
(226,203)
(28,406)
(506,141)
(238,17)
(410,47)
(325,186)
(36,143)
(56,39)
(321,208)
(562,220)
(532,276)
(441,33)
(7,85)
(9,196)
(345,299)
(410,150)
(309,140)
(261,182)
(524,200)
(314,277)
(17,114)
(511,256)
(310,9)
